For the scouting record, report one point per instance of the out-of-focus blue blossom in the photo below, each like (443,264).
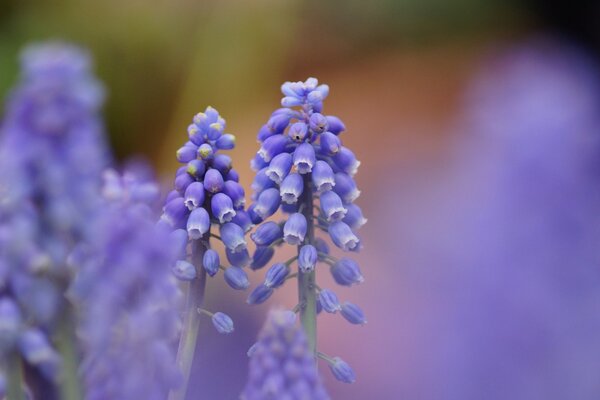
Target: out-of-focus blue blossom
(499,251)
(52,153)
(260,294)
(128,303)
(302,161)
(281,364)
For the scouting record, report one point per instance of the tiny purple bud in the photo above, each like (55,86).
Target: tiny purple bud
(260,294)
(261,257)
(279,121)
(264,133)
(330,144)
(276,275)
(342,371)
(267,204)
(272,146)
(322,248)
(198,223)
(336,126)
(257,163)
(304,158)
(254,217)
(279,167)
(222,207)
(205,151)
(343,237)
(211,262)
(194,195)
(239,259)
(222,163)
(346,161)
(175,212)
(346,272)
(222,323)
(187,152)
(329,301)
(298,132)
(332,207)
(289,101)
(267,233)
(354,217)
(294,229)
(236,192)
(215,130)
(353,314)
(322,176)
(307,259)
(232,175)
(184,270)
(242,218)
(233,237)
(262,181)
(345,187)
(291,188)
(213,181)
(182,181)
(196,168)
(195,135)
(318,123)
(237,278)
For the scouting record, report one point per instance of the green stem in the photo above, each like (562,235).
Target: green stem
(189,335)
(66,342)
(307,298)
(14,377)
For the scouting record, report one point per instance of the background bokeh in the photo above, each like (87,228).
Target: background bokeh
(477,124)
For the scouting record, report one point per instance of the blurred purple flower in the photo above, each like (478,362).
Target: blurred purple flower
(128,298)
(281,364)
(52,152)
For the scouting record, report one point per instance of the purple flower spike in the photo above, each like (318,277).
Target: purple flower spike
(281,364)
(316,193)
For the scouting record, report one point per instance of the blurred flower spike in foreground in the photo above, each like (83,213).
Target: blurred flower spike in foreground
(52,152)
(281,363)
(304,170)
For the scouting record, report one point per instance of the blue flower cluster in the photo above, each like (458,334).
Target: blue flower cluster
(301,162)
(127,297)
(281,364)
(52,152)
(207,191)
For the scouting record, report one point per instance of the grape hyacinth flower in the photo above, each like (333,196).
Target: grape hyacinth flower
(52,153)
(128,297)
(206,193)
(304,170)
(281,363)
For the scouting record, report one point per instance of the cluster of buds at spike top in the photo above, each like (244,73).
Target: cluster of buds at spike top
(302,165)
(207,192)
